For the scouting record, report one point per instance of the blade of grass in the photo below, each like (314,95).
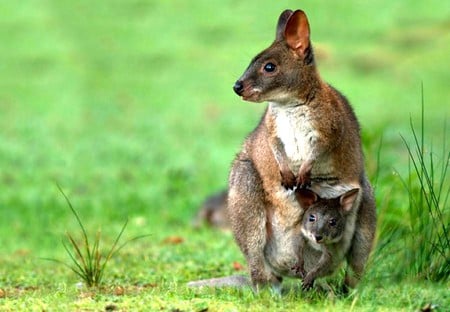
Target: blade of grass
(85,237)
(80,272)
(66,265)
(97,257)
(111,251)
(77,251)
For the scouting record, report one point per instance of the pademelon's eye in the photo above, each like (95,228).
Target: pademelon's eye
(332,222)
(270,67)
(312,218)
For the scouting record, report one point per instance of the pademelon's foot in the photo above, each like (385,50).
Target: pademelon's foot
(308,282)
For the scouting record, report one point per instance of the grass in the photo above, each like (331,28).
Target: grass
(428,191)
(118,101)
(87,259)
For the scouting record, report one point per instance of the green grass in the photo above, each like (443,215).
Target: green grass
(88,260)
(128,106)
(429,191)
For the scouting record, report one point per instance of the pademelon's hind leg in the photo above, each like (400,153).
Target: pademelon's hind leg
(363,238)
(247,213)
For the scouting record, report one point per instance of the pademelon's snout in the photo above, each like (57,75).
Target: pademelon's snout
(238,87)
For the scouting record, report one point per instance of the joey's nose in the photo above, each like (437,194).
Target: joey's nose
(318,238)
(238,87)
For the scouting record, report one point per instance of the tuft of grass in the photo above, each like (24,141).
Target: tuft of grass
(427,241)
(86,259)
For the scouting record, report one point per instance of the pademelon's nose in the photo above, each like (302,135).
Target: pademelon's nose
(238,87)
(318,238)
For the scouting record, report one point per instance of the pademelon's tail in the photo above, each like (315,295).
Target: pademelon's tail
(226,281)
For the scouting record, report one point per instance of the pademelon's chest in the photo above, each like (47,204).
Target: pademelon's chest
(296,129)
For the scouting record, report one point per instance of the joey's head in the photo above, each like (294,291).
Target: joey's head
(324,220)
(284,72)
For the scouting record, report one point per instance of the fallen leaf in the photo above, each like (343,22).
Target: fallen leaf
(173,240)
(237,266)
(2,293)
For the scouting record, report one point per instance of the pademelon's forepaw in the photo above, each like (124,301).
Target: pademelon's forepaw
(304,175)
(288,180)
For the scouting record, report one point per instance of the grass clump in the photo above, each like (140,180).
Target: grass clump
(427,242)
(86,259)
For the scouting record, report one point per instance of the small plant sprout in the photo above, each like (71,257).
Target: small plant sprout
(86,259)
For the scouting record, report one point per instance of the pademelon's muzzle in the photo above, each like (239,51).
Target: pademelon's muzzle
(238,87)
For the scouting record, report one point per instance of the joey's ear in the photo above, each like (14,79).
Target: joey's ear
(282,20)
(297,32)
(348,199)
(306,197)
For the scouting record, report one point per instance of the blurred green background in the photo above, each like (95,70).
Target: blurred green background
(128,105)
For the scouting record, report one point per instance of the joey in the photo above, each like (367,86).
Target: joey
(325,232)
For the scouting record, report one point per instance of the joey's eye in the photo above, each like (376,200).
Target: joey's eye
(332,222)
(312,218)
(270,67)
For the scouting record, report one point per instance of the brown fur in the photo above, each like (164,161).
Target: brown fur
(308,137)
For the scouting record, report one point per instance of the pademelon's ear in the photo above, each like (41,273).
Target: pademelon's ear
(348,199)
(297,32)
(282,20)
(306,197)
